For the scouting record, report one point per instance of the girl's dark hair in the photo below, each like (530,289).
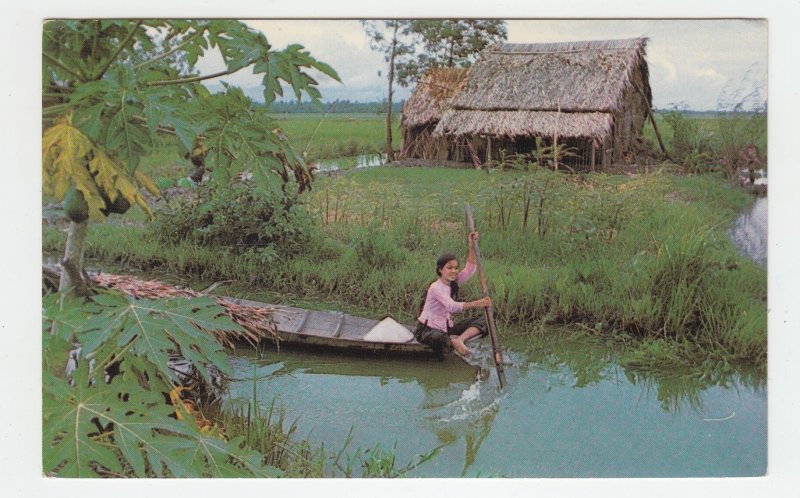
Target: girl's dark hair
(443,259)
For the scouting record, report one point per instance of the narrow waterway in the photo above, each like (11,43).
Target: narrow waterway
(749,232)
(568,410)
(348,163)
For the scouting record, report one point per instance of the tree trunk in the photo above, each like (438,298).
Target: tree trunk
(72,278)
(389,150)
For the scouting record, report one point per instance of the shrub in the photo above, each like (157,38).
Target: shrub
(689,139)
(739,134)
(238,218)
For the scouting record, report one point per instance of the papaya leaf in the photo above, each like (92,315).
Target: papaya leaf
(55,351)
(92,425)
(69,158)
(135,421)
(69,441)
(229,458)
(67,312)
(153,112)
(146,182)
(154,329)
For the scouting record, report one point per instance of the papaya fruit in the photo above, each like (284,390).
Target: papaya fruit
(75,207)
(119,206)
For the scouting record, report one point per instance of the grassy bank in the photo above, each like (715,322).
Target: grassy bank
(646,258)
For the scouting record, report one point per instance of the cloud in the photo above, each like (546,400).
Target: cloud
(691,61)
(663,69)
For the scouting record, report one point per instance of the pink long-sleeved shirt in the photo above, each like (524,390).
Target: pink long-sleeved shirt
(439,306)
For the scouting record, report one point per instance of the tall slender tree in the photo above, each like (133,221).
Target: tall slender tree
(454,42)
(413,46)
(393,38)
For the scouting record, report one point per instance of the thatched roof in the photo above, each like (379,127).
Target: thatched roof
(523,89)
(432,95)
(526,123)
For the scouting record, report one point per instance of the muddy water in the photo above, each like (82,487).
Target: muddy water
(749,232)
(568,410)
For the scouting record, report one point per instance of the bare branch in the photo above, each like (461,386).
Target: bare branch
(78,74)
(114,56)
(170,52)
(195,79)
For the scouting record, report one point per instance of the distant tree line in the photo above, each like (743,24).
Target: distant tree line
(336,106)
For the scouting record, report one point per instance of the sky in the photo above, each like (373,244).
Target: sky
(694,64)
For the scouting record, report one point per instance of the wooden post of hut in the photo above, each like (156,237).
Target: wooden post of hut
(488,149)
(555,138)
(594,148)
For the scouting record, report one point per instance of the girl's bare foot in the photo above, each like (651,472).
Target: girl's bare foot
(459,346)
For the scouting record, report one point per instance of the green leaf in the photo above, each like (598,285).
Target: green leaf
(326,69)
(90,426)
(153,329)
(153,112)
(68,416)
(184,129)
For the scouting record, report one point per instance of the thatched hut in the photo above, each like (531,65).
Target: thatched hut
(423,110)
(592,96)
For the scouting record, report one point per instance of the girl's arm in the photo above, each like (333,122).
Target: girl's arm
(470,249)
(483,302)
(469,268)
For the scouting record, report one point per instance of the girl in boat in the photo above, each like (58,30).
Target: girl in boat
(435,326)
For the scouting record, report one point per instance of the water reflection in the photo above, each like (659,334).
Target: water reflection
(455,401)
(579,360)
(750,231)
(346,163)
(567,397)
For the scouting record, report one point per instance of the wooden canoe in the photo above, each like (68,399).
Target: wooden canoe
(332,329)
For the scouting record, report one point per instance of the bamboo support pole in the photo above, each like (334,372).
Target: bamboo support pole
(652,121)
(488,312)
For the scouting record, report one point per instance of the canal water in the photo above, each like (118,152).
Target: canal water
(348,163)
(568,410)
(749,232)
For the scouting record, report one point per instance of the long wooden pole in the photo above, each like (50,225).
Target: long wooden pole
(652,120)
(489,311)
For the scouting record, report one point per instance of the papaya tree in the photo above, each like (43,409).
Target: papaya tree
(110,86)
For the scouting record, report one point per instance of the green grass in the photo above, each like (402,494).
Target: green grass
(322,136)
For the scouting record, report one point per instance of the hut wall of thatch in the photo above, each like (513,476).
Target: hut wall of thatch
(422,112)
(630,115)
